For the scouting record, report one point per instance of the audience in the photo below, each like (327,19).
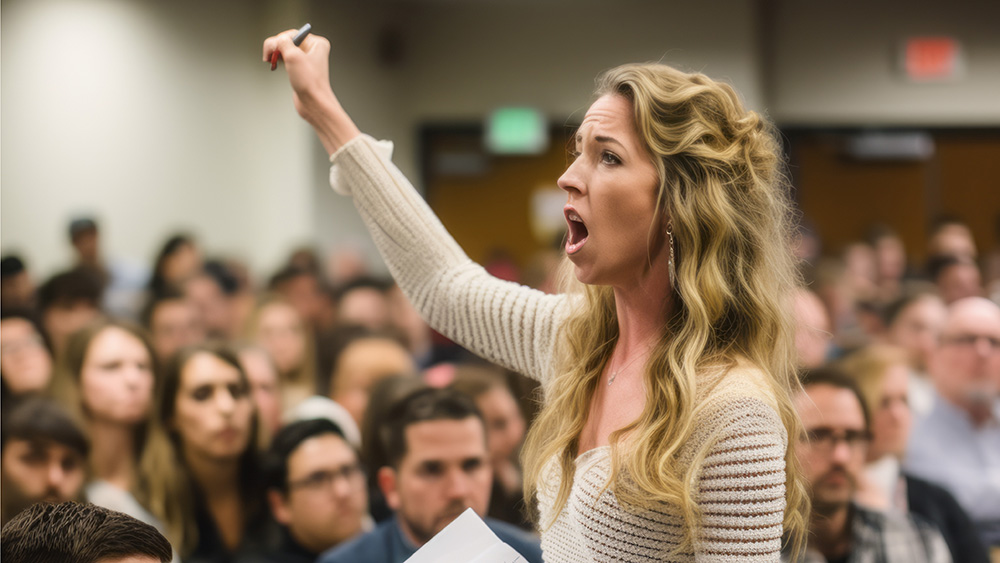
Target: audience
(200,474)
(173,323)
(121,283)
(832,455)
(950,235)
(81,533)
(360,359)
(364,302)
(43,457)
(315,489)
(178,259)
(17,289)
(956,277)
(957,444)
(25,361)
(265,388)
(209,291)
(66,303)
(913,323)
(813,332)
(105,379)
(882,374)
(438,467)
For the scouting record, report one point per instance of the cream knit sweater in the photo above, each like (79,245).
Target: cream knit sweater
(741,488)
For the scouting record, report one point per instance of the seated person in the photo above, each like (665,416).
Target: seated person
(43,457)
(438,467)
(81,533)
(832,453)
(315,489)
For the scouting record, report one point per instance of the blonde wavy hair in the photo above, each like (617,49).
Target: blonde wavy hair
(723,189)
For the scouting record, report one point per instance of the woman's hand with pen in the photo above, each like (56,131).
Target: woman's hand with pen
(308,69)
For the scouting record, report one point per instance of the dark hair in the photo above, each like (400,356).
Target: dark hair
(289,273)
(223,276)
(423,405)
(385,395)
(73,286)
(10,266)
(284,444)
(155,300)
(38,419)
(338,341)
(891,311)
(80,226)
(361,282)
(157,284)
(79,533)
(836,378)
(937,264)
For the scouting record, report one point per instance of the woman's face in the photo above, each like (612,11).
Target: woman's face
(504,422)
(612,186)
(892,419)
(916,329)
(280,332)
(24,361)
(116,380)
(213,412)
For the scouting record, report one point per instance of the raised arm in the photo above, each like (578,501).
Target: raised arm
(504,322)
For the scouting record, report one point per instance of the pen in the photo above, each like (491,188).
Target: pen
(297,40)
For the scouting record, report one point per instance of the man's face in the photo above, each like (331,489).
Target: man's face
(327,496)
(38,471)
(833,454)
(966,364)
(444,472)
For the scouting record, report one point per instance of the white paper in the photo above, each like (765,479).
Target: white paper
(466,540)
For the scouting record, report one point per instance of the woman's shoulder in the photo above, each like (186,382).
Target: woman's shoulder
(735,400)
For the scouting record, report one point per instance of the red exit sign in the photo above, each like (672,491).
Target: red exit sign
(932,58)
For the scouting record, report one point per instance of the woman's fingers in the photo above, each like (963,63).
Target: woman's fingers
(280,43)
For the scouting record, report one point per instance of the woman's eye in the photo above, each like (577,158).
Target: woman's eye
(237,391)
(202,393)
(610,158)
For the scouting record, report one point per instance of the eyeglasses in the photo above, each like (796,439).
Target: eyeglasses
(971,340)
(824,440)
(325,479)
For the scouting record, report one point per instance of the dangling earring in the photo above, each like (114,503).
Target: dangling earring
(671,272)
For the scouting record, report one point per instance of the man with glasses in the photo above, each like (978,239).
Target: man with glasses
(832,456)
(316,489)
(957,444)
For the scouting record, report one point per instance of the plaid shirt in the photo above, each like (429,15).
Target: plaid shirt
(878,537)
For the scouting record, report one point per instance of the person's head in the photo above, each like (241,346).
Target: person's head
(913,322)
(207,293)
(663,151)
(17,290)
(202,414)
(265,387)
(43,456)
(107,374)
(813,330)
(890,253)
(965,367)
(438,462)
(385,395)
(360,359)
(277,327)
(302,288)
(173,323)
(178,260)
(505,424)
(84,236)
(833,447)
(951,236)
(67,302)
(315,484)
(25,360)
(956,276)
(365,302)
(883,376)
(81,533)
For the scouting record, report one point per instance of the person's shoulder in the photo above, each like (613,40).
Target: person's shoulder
(525,543)
(369,546)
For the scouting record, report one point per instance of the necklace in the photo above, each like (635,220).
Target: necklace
(620,369)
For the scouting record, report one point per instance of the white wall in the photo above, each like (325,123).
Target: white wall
(836,63)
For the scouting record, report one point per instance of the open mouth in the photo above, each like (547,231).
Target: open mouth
(578,232)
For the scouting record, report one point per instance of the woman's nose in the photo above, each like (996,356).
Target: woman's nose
(571,181)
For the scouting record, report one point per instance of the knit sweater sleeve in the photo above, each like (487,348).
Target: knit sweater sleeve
(504,322)
(741,489)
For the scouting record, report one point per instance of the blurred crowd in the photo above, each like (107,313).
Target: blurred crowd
(314,415)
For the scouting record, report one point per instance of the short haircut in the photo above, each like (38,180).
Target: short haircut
(67,288)
(38,419)
(937,264)
(10,266)
(892,311)
(286,441)
(287,274)
(167,295)
(362,282)
(424,405)
(836,378)
(80,533)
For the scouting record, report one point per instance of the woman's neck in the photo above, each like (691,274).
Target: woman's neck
(642,311)
(113,454)
(215,477)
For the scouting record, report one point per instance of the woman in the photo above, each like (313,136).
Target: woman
(199,472)
(276,326)
(665,430)
(105,379)
(178,259)
(883,375)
